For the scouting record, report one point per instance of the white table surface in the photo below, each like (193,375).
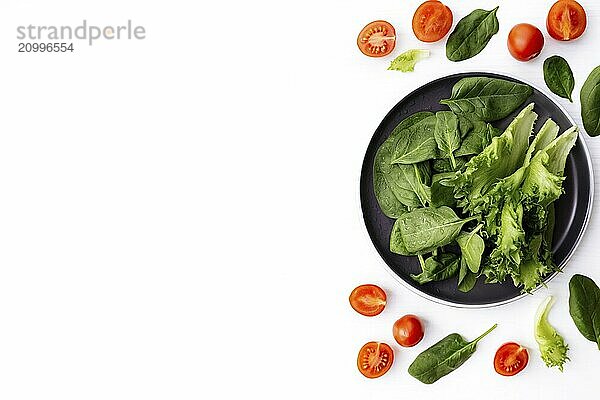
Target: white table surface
(181,216)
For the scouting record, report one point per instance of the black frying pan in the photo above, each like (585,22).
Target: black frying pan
(572,209)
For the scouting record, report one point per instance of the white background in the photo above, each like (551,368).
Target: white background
(180,216)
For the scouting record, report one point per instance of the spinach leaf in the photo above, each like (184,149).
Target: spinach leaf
(447,135)
(438,268)
(472,34)
(472,247)
(466,278)
(444,164)
(478,139)
(406,61)
(559,77)
(584,307)
(427,228)
(386,183)
(486,99)
(406,182)
(590,103)
(396,243)
(442,194)
(422,173)
(415,143)
(444,357)
(398,187)
(464,126)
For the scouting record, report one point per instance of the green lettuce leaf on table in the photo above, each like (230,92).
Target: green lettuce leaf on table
(406,61)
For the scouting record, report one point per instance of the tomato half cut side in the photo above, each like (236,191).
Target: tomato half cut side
(377,39)
(566,20)
(432,21)
(511,358)
(368,300)
(375,359)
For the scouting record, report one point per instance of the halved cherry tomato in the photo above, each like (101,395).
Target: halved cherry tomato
(377,39)
(368,300)
(408,331)
(510,359)
(375,359)
(525,42)
(432,21)
(566,20)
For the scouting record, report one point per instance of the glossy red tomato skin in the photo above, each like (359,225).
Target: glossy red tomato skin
(525,42)
(566,20)
(368,300)
(377,39)
(375,359)
(408,330)
(510,359)
(432,21)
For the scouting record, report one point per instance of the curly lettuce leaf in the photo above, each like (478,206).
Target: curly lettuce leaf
(406,61)
(501,158)
(552,346)
(506,256)
(535,266)
(517,211)
(559,149)
(542,184)
(544,137)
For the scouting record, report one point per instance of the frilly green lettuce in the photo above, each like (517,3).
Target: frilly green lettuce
(552,346)
(406,61)
(513,185)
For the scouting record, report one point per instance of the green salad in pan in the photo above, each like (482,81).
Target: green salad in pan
(468,199)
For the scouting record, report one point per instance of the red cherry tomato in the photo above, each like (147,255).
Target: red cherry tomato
(408,331)
(432,21)
(368,300)
(377,39)
(375,359)
(525,42)
(566,20)
(510,359)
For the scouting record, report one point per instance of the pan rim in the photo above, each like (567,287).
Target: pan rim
(581,141)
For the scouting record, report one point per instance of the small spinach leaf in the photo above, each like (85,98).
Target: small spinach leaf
(584,307)
(444,164)
(415,143)
(559,77)
(438,268)
(464,126)
(386,183)
(396,243)
(444,357)
(472,34)
(397,187)
(472,247)
(447,135)
(430,227)
(486,99)
(406,183)
(466,279)
(478,139)
(590,103)
(442,194)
